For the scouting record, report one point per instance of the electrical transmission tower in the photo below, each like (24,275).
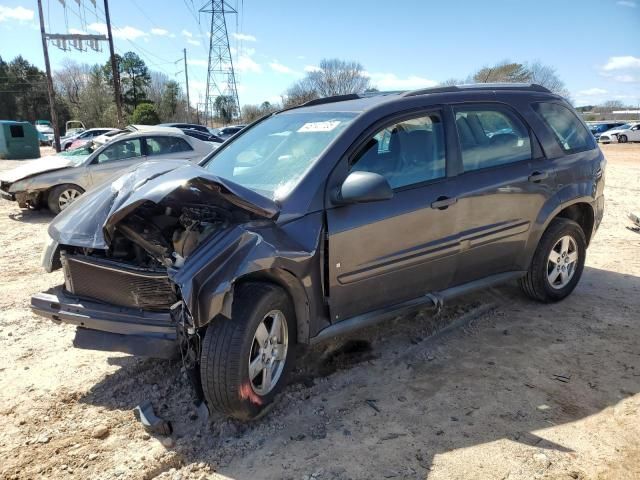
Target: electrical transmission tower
(221,78)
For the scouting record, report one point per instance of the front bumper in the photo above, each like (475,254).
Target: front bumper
(7,196)
(108,327)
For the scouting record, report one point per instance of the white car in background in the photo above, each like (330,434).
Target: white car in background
(629,132)
(59,180)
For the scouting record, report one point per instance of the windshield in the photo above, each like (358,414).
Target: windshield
(78,155)
(274,155)
(626,126)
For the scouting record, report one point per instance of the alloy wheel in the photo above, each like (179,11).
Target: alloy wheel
(67,197)
(268,352)
(562,262)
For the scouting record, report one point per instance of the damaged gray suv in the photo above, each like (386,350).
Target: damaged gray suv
(323,219)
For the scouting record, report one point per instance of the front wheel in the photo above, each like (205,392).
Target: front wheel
(622,139)
(245,358)
(62,196)
(557,263)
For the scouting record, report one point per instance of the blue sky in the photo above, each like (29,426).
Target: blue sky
(593,44)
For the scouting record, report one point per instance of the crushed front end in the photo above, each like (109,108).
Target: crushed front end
(121,247)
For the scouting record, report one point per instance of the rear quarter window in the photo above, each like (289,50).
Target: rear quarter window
(568,131)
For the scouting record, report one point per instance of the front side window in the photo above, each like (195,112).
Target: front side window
(121,151)
(406,153)
(273,156)
(166,145)
(570,133)
(490,136)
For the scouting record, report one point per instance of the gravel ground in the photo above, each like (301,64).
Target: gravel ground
(495,387)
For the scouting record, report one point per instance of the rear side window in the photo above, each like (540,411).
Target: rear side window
(16,131)
(406,153)
(166,145)
(568,130)
(490,136)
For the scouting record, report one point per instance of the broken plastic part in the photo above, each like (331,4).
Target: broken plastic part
(151,422)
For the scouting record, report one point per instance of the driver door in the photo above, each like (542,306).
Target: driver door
(383,253)
(115,158)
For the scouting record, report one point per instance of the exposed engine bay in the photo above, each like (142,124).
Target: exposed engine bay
(155,236)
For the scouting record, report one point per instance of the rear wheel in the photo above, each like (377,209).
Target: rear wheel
(245,359)
(557,263)
(62,196)
(622,139)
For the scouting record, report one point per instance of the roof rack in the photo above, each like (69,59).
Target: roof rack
(478,86)
(333,99)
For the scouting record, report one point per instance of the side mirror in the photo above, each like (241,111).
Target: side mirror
(361,187)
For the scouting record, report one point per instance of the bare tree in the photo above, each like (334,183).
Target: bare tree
(333,77)
(546,76)
(71,80)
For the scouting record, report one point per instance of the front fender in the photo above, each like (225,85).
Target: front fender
(258,251)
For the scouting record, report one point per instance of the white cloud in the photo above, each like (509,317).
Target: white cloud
(187,33)
(16,13)
(160,32)
(193,42)
(245,63)
(77,31)
(626,3)
(390,81)
(126,33)
(589,92)
(312,68)
(626,78)
(621,63)
(278,67)
(244,36)
(197,62)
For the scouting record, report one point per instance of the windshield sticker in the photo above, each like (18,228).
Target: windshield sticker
(319,126)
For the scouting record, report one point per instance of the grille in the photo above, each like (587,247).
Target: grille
(118,284)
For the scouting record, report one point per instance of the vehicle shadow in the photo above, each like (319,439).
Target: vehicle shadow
(35,217)
(393,398)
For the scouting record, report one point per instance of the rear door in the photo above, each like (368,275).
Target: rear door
(168,148)
(385,252)
(504,182)
(116,157)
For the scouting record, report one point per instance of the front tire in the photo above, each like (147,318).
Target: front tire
(622,139)
(62,196)
(557,263)
(245,359)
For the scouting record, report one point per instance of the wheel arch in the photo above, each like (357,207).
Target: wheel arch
(579,209)
(290,284)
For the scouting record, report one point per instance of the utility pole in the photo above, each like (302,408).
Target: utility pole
(114,66)
(52,94)
(186,82)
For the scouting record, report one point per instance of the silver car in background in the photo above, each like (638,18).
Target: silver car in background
(58,180)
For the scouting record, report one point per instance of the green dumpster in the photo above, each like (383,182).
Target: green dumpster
(18,140)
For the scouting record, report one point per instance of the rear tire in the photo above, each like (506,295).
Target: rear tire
(557,263)
(62,196)
(232,349)
(622,139)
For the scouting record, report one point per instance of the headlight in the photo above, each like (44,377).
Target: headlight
(20,186)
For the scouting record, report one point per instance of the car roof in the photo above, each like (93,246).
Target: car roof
(359,103)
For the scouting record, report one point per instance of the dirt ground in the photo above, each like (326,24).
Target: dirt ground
(496,387)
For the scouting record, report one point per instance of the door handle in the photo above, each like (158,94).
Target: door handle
(442,203)
(536,177)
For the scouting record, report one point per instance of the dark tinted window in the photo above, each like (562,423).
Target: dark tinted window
(121,151)
(166,145)
(407,152)
(16,131)
(568,130)
(490,136)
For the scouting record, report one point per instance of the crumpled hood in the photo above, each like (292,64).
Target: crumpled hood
(33,167)
(90,221)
